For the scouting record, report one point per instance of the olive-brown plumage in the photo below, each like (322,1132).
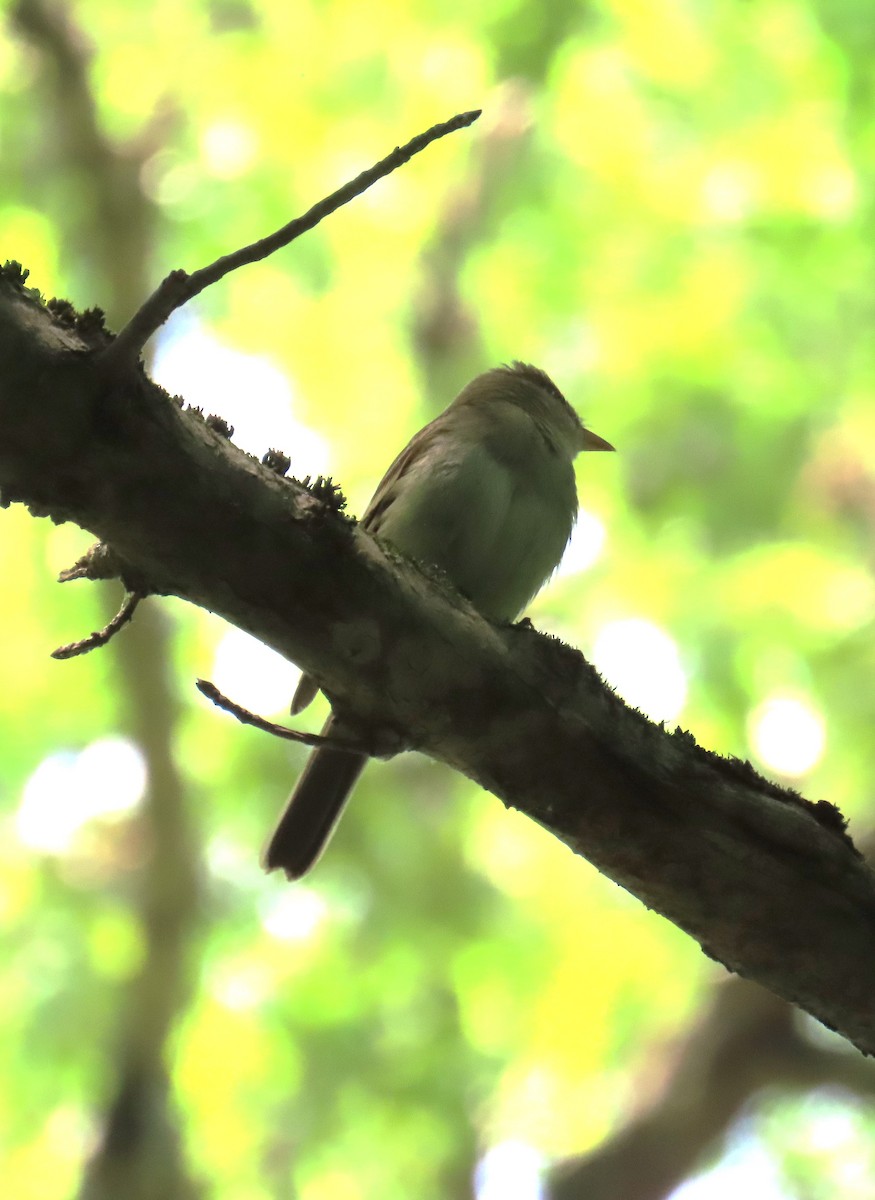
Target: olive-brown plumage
(486,492)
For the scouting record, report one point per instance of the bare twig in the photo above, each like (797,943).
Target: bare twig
(281,731)
(102,636)
(98,562)
(179,287)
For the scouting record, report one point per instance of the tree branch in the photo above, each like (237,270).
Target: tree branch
(245,717)
(745,1042)
(179,287)
(102,636)
(767,882)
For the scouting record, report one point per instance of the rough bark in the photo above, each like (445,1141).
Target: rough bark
(767,882)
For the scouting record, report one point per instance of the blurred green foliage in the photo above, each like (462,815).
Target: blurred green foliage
(668,205)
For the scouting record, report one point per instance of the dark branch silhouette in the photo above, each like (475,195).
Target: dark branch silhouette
(101,636)
(246,717)
(179,287)
(769,883)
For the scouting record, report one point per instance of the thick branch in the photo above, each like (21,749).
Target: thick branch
(768,883)
(745,1042)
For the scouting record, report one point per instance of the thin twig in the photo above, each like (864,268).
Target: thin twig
(102,636)
(281,731)
(100,561)
(179,287)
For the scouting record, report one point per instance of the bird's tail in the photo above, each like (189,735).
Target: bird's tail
(314,807)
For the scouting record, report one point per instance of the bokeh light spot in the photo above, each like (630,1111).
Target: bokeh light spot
(641,661)
(509,1171)
(787,735)
(252,674)
(67,790)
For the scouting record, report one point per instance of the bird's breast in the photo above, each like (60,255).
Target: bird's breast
(497,525)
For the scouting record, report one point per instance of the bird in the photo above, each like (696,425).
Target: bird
(486,493)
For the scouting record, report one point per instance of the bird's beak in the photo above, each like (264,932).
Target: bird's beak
(592,441)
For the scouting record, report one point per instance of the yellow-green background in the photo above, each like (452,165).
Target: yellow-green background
(668,205)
